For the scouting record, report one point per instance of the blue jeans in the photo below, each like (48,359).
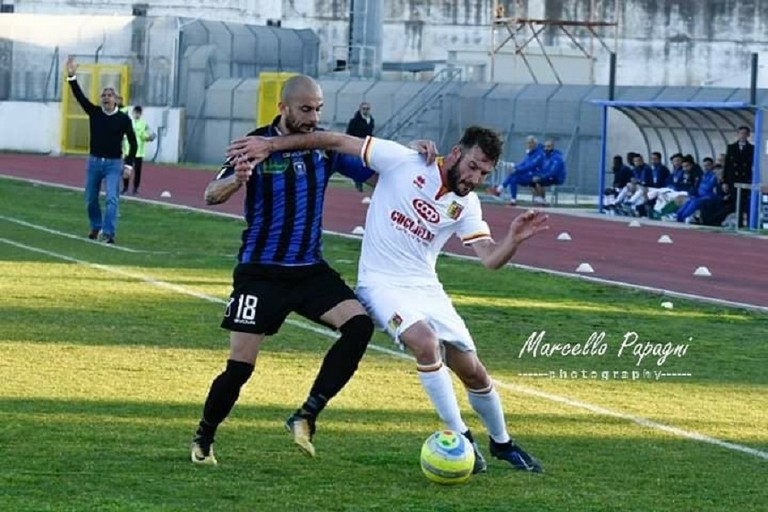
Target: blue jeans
(109,170)
(515,179)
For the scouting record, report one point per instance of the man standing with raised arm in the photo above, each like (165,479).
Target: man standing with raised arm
(107,127)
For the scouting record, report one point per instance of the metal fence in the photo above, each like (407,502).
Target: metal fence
(165,54)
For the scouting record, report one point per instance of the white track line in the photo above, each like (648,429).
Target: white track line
(525,390)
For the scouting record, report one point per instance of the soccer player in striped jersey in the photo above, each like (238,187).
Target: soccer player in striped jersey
(281,269)
(414,210)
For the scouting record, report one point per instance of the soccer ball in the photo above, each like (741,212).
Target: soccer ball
(447,457)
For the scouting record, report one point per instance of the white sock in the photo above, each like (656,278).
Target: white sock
(439,387)
(487,405)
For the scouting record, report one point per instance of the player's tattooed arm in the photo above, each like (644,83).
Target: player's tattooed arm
(223,186)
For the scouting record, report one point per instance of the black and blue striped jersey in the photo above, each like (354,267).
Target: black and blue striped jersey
(284,203)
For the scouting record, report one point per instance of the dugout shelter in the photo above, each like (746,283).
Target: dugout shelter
(701,128)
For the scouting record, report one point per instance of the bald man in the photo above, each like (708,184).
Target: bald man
(281,269)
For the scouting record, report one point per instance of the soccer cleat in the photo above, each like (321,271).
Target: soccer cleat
(202,451)
(302,428)
(108,239)
(93,234)
(515,455)
(480,465)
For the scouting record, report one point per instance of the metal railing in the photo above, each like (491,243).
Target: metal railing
(420,102)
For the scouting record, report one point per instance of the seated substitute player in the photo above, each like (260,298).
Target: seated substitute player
(414,210)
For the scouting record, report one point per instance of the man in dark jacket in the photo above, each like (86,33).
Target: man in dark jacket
(738,169)
(107,127)
(361,125)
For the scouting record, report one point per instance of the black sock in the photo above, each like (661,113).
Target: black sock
(339,364)
(312,406)
(222,396)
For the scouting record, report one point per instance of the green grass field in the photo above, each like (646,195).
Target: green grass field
(106,356)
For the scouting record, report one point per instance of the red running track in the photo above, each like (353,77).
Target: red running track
(617,252)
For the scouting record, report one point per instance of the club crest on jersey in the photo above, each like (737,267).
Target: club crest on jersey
(419,181)
(454,210)
(395,322)
(299,167)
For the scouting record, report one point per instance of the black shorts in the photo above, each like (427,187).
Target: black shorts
(263,295)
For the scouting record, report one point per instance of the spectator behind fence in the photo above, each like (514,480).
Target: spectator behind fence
(522,173)
(738,169)
(552,172)
(361,125)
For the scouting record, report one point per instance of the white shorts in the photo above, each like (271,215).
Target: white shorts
(395,308)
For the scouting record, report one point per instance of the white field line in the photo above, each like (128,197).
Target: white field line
(622,284)
(524,390)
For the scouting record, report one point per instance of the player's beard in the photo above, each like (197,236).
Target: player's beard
(295,126)
(452,175)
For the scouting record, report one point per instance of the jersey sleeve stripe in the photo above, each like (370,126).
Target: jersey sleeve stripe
(475,237)
(365,152)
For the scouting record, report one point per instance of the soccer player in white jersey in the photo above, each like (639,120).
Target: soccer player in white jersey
(414,210)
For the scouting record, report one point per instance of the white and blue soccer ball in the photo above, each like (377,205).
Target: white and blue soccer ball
(447,458)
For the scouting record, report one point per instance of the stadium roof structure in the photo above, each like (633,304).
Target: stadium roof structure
(701,126)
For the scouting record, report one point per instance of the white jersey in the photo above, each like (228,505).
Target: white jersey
(411,217)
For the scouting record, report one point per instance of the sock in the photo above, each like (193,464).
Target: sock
(312,406)
(339,364)
(439,387)
(222,396)
(487,405)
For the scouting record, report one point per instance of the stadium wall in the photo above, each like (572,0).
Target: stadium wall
(677,42)
(33,127)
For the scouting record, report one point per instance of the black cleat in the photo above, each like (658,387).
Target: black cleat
(515,455)
(480,464)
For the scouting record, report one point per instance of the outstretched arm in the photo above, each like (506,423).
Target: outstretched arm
(496,255)
(257,149)
(76,91)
